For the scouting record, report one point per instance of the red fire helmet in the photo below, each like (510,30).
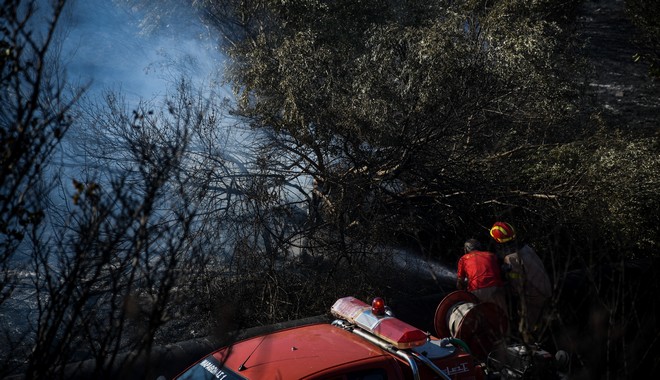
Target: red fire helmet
(502,232)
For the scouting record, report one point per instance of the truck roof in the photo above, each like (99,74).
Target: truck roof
(294,353)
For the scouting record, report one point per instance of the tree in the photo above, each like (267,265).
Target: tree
(111,267)
(34,116)
(102,268)
(409,117)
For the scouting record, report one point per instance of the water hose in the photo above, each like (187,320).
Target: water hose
(455,342)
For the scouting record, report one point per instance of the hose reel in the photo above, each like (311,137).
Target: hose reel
(481,325)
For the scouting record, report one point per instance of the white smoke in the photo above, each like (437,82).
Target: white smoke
(115,47)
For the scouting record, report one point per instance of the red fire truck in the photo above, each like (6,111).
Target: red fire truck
(365,342)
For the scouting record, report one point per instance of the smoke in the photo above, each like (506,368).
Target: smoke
(119,46)
(110,46)
(135,49)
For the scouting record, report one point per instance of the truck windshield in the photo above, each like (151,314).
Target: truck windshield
(207,369)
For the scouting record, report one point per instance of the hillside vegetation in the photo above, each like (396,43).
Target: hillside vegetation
(374,127)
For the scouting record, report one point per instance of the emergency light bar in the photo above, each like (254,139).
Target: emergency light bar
(393,330)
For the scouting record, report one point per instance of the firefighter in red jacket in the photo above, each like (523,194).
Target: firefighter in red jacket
(479,273)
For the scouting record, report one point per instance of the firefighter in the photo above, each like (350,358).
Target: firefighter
(478,271)
(527,281)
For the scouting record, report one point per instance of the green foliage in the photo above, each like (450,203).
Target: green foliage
(644,14)
(610,186)
(625,178)
(416,110)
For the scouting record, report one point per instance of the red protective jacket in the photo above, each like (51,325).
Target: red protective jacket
(481,269)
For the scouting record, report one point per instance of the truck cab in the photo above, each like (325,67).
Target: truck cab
(364,343)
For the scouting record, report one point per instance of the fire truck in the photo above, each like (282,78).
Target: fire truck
(367,342)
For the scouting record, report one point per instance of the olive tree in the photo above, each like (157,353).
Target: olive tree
(410,117)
